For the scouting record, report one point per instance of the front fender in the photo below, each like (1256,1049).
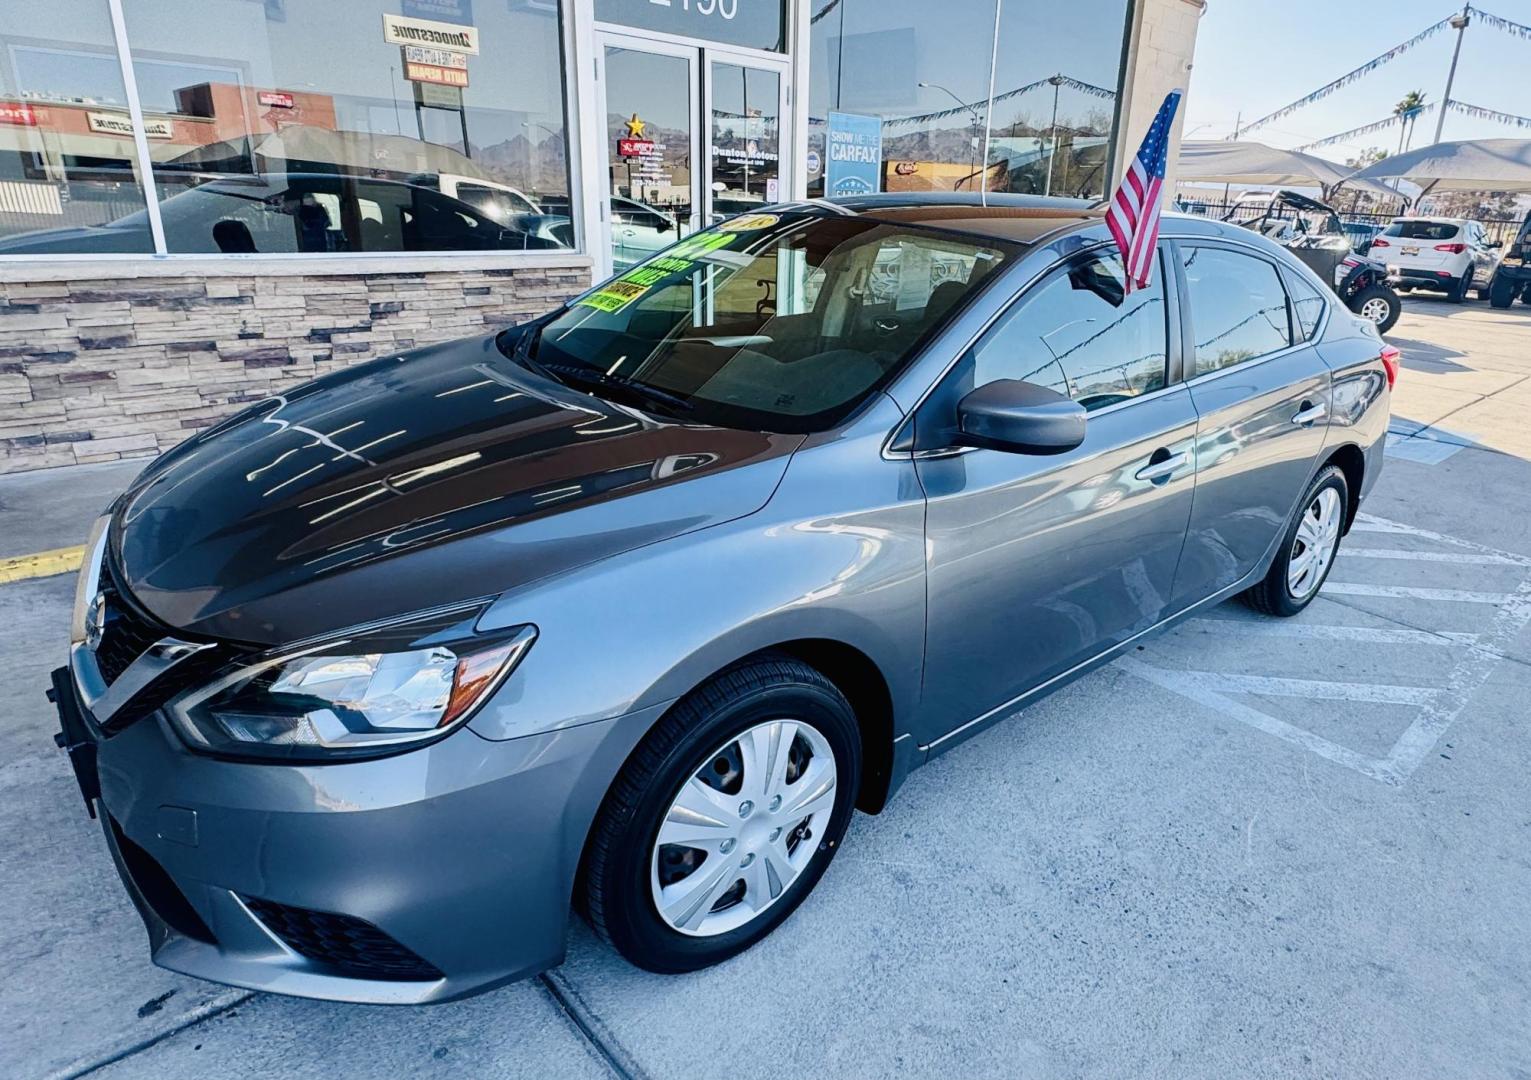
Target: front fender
(837,554)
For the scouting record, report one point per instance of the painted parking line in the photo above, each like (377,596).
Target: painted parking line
(1311,689)
(1227,707)
(41,564)
(1371,635)
(1415,592)
(1436,708)
(1465,558)
(1371,523)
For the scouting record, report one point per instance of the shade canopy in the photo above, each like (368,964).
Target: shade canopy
(1468,165)
(1222,162)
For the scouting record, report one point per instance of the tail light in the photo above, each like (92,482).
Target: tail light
(1391,359)
(1451,249)
(1379,242)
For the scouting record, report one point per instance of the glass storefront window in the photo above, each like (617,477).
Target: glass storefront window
(320,127)
(69,178)
(923,72)
(1055,107)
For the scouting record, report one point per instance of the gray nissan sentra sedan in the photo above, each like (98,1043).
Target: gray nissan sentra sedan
(625,610)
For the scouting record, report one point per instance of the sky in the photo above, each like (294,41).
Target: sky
(1259,55)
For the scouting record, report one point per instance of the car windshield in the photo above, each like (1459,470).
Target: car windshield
(1422,230)
(771,322)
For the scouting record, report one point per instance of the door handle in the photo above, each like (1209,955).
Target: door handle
(1310,413)
(1163,469)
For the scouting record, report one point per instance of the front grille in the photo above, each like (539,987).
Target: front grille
(349,945)
(126,632)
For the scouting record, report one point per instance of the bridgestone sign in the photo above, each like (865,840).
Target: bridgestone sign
(398,30)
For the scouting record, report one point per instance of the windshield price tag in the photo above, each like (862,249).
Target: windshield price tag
(749,222)
(613,296)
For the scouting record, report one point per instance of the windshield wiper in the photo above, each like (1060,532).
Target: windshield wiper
(592,377)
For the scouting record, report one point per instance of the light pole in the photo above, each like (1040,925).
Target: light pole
(1459,24)
(973,131)
(1052,135)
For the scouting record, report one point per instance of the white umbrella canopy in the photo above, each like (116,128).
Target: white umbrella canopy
(1222,162)
(1468,165)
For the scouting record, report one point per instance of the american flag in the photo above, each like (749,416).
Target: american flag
(1134,214)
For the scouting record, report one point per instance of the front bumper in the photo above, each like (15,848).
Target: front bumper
(422,877)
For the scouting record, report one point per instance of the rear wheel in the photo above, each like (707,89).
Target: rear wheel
(725,817)
(1501,291)
(1457,292)
(1307,550)
(1378,304)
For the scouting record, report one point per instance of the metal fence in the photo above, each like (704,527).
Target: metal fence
(1502,229)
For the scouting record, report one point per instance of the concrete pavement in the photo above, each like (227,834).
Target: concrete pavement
(1252,848)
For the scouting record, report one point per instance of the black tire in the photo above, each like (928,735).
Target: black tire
(1501,291)
(1375,292)
(1272,596)
(1457,291)
(616,894)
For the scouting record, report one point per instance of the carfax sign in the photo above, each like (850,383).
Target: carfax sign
(854,152)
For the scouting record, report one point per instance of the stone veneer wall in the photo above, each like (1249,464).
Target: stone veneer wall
(93,370)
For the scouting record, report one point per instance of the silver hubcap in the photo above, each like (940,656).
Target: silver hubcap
(743,827)
(1375,309)
(1318,536)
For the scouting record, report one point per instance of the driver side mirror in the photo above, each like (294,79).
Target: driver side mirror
(1018,417)
(663,225)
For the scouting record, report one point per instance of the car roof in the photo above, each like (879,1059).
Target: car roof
(1021,219)
(1434,218)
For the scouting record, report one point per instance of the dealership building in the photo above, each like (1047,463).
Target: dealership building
(205,202)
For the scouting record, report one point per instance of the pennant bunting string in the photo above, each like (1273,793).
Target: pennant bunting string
(1062,80)
(1499,22)
(1348,78)
(1364,129)
(1478,112)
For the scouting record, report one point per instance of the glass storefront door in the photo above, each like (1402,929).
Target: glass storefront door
(692,135)
(744,131)
(651,148)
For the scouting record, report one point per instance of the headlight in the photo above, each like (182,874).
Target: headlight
(367,693)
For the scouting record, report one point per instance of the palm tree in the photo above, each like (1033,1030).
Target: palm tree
(1407,110)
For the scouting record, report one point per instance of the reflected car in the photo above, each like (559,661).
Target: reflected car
(284,213)
(627,609)
(638,230)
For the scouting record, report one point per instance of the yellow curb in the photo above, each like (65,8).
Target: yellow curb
(42,564)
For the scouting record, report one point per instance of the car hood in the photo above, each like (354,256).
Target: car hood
(437,476)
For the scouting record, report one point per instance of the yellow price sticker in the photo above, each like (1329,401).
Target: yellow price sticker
(613,296)
(749,222)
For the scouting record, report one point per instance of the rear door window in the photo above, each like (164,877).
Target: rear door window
(1238,307)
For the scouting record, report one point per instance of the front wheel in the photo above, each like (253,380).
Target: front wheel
(725,817)
(1379,304)
(1307,550)
(1501,291)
